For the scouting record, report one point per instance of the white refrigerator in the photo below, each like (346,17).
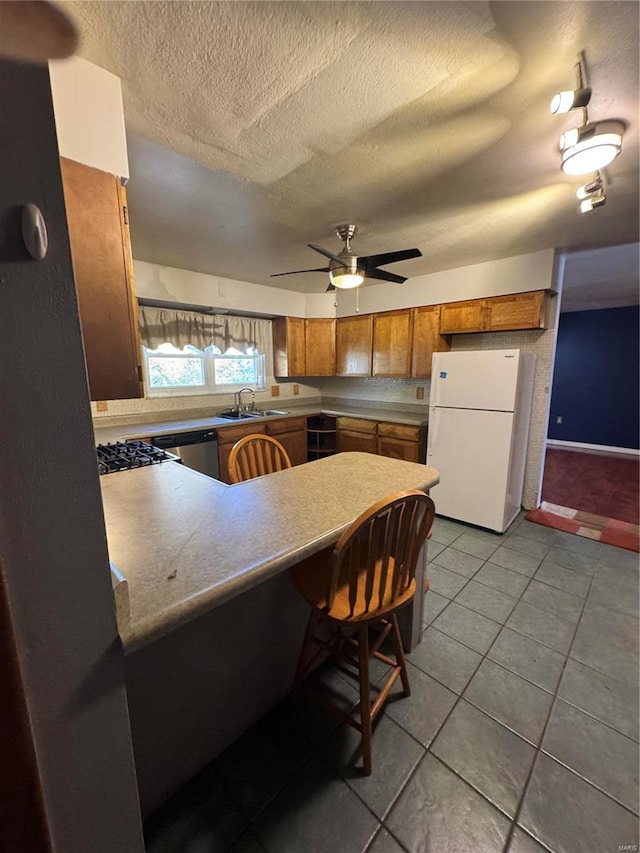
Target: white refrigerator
(479,414)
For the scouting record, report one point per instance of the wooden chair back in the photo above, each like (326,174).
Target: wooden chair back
(374,561)
(255,455)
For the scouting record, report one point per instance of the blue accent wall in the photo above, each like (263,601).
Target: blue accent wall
(597,377)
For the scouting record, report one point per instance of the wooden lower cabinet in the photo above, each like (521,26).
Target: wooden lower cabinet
(227,437)
(398,441)
(290,432)
(292,435)
(359,442)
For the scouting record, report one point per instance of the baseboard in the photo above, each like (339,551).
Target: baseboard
(593,448)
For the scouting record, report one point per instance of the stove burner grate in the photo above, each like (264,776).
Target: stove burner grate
(124,455)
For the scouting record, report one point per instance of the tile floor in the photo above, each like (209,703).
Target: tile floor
(521,733)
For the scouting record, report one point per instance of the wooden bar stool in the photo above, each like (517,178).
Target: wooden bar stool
(255,455)
(360,583)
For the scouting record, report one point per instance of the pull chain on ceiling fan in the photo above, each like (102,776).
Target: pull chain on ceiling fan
(347,270)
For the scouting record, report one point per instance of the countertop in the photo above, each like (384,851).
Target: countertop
(105,434)
(186,543)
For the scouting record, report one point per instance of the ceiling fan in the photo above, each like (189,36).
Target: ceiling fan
(347,270)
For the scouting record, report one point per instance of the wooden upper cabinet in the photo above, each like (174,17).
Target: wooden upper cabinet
(320,347)
(468,316)
(516,311)
(426,340)
(97,220)
(354,343)
(289,346)
(392,334)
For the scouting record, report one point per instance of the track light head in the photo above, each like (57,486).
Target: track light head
(599,199)
(563,102)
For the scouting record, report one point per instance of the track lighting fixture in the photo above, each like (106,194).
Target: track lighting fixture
(573,99)
(590,147)
(591,194)
(590,203)
(590,188)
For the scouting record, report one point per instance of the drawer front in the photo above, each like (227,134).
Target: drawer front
(229,435)
(397,448)
(358,425)
(286,425)
(409,433)
(356,442)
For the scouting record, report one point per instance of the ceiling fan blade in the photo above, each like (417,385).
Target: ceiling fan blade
(295,272)
(383,275)
(385,258)
(325,252)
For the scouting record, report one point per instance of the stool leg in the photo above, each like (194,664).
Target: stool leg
(399,653)
(365,699)
(306,643)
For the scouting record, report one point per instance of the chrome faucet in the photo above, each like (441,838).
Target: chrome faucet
(239,399)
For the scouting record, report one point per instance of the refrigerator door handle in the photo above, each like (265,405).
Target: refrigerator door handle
(435,370)
(433,430)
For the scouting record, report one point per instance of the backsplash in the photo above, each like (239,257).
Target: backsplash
(399,391)
(123,411)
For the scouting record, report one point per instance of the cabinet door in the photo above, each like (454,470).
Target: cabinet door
(399,448)
(457,317)
(357,441)
(288,335)
(392,332)
(320,347)
(295,443)
(354,342)
(102,266)
(426,340)
(516,311)
(227,437)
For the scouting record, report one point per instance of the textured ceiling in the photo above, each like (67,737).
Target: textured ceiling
(255,127)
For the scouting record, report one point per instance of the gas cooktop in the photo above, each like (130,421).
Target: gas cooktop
(124,455)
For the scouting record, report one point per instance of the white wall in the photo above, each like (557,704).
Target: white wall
(87,103)
(492,278)
(52,537)
(176,285)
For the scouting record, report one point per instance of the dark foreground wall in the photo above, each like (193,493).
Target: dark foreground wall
(596,378)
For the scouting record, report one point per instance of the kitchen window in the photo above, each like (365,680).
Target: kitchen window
(185,352)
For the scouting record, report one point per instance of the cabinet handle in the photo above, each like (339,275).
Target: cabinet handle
(125,214)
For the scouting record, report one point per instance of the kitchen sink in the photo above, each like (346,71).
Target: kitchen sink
(235,415)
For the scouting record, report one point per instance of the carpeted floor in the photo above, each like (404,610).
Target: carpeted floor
(606,486)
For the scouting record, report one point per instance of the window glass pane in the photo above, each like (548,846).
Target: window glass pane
(170,372)
(235,371)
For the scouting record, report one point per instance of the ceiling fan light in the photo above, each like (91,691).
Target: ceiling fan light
(597,145)
(571,99)
(345,278)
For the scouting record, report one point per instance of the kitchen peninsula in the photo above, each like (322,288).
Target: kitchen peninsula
(215,626)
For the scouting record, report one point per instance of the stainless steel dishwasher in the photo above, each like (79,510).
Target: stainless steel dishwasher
(197,449)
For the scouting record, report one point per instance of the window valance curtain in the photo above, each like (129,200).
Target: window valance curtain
(164,325)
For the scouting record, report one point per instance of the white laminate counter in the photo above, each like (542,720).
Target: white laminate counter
(186,543)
